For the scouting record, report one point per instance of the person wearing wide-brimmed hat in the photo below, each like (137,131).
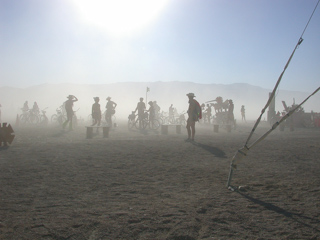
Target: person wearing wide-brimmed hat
(110,111)
(69,109)
(192,117)
(96,112)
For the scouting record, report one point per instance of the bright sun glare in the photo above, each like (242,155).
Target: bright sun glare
(119,17)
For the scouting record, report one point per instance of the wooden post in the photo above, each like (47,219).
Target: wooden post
(164,129)
(105,131)
(178,129)
(89,132)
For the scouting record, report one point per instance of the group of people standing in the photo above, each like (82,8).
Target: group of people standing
(194,112)
(96,111)
(152,111)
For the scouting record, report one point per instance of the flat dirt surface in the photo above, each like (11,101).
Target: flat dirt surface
(145,185)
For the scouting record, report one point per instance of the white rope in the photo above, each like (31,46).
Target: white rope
(241,153)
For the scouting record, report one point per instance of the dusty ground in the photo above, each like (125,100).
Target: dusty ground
(133,185)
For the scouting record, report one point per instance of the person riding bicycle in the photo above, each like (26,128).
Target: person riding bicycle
(141,106)
(110,111)
(35,109)
(25,107)
(96,112)
(69,109)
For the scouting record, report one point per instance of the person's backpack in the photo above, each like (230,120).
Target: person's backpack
(197,111)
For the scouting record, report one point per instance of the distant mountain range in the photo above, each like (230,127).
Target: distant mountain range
(126,95)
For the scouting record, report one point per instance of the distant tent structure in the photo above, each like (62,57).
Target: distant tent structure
(242,152)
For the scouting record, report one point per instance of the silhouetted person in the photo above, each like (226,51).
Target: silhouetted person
(152,114)
(230,112)
(69,110)
(203,107)
(141,106)
(25,107)
(156,108)
(243,113)
(96,112)
(35,109)
(110,111)
(208,112)
(171,113)
(193,116)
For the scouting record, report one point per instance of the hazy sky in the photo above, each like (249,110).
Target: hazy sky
(203,41)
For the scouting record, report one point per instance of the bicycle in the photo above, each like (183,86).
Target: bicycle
(24,116)
(162,117)
(153,124)
(43,118)
(75,118)
(58,118)
(143,123)
(132,121)
(29,117)
(103,118)
(109,121)
(181,119)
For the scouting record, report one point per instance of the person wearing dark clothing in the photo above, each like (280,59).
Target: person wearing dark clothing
(141,106)
(208,112)
(35,108)
(96,112)
(151,111)
(156,109)
(25,107)
(230,112)
(69,110)
(243,113)
(110,111)
(192,117)
(171,114)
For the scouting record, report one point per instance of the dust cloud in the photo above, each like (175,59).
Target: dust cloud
(126,95)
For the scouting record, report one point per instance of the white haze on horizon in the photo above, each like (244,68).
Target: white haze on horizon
(127,95)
